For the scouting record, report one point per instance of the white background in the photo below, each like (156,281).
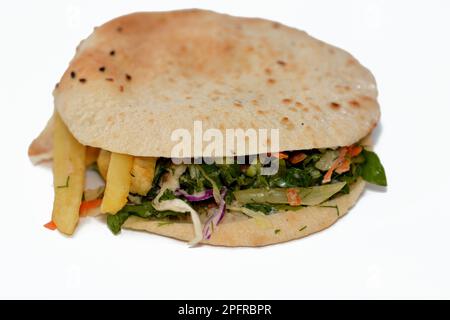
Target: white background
(393,244)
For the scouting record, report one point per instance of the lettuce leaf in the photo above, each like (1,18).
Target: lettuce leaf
(144,210)
(372,169)
(310,196)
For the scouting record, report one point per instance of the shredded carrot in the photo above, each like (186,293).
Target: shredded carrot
(336,164)
(354,150)
(293,197)
(88,205)
(297,158)
(280,155)
(344,167)
(50,225)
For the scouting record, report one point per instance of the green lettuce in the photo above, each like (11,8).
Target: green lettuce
(372,169)
(144,210)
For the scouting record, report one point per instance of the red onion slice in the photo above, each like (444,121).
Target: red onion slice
(200,196)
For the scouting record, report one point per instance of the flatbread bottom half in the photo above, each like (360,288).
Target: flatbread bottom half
(240,231)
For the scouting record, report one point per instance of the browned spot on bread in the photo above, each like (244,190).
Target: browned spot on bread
(121,88)
(250,49)
(238,104)
(281,63)
(366,98)
(286,122)
(316,107)
(298,104)
(293,109)
(109,79)
(305,109)
(182,49)
(331,51)
(335,105)
(228,47)
(188,97)
(351,62)
(261,112)
(286,101)
(271,81)
(268,71)
(255,102)
(354,103)
(276,25)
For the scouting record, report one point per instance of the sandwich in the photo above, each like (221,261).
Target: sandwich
(139,79)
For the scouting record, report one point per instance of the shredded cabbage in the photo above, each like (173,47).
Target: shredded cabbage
(260,218)
(172,183)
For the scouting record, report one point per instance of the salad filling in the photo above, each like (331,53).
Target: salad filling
(202,193)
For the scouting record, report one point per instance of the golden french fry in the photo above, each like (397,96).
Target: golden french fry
(142,175)
(91,155)
(69,158)
(118,181)
(103,162)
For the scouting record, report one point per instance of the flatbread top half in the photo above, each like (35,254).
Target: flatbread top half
(139,77)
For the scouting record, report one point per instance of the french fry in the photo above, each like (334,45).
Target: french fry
(118,181)
(142,175)
(103,162)
(69,157)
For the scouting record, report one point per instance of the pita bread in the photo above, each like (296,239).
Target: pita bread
(139,77)
(41,149)
(239,231)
